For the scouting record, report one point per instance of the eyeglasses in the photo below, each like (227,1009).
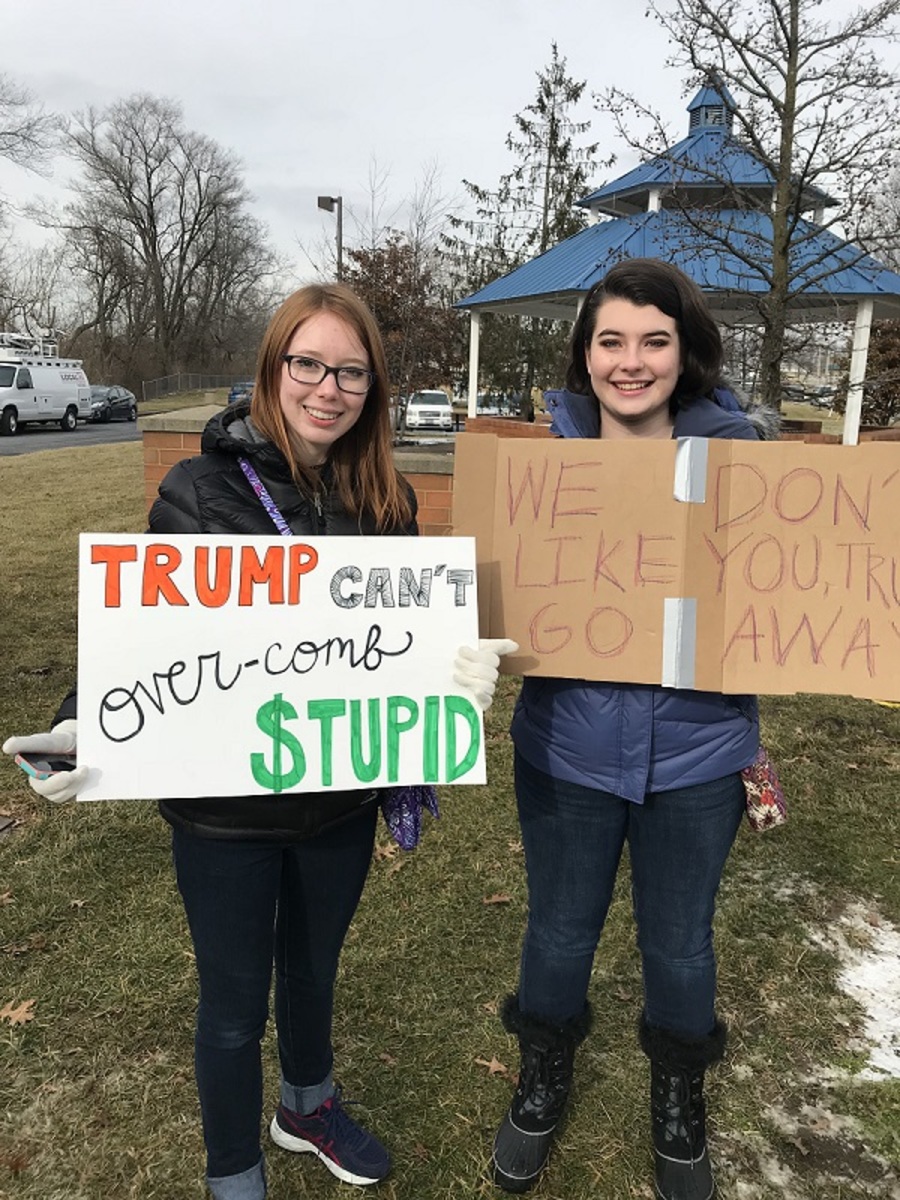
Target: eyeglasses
(303,369)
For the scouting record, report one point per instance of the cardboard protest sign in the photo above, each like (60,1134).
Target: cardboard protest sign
(219,666)
(719,565)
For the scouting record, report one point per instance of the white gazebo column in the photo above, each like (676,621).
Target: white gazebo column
(858,356)
(474,338)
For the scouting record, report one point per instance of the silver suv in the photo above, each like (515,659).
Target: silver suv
(429,410)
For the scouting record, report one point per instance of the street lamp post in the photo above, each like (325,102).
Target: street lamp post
(329,204)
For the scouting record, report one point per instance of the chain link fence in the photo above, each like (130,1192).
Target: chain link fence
(173,385)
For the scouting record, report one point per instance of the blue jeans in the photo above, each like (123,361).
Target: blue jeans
(250,903)
(678,842)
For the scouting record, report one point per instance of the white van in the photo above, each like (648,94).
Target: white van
(429,410)
(37,385)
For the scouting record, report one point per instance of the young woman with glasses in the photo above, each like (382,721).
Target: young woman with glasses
(278,879)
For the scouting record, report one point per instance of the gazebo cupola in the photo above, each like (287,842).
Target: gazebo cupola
(708,169)
(712,108)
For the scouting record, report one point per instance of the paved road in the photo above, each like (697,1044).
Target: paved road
(51,437)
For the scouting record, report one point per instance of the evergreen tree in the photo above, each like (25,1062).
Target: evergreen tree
(530,210)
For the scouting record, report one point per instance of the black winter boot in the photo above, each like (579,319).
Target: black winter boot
(523,1140)
(678,1110)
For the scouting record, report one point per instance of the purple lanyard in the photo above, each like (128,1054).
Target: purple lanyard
(265,499)
(401,806)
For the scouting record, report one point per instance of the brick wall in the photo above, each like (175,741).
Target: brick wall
(435,496)
(170,438)
(509,427)
(161,451)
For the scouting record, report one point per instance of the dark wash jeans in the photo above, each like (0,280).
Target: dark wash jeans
(678,842)
(250,903)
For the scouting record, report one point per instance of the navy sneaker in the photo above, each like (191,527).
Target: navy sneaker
(345,1148)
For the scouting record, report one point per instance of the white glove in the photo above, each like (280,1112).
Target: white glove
(478,670)
(63,739)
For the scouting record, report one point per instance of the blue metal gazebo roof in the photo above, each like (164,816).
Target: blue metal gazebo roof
(551,284)
(700,157)
(701,167)
(706,170)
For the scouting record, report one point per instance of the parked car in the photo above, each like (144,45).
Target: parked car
(793,391)
(429,410)
(823,397)
(242,390)
(111,401)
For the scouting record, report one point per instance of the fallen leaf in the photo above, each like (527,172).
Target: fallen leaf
(492,1007)
(515,847)
(77,903)
(37,941)
(17,1014)
(388,1059)
(6,898)
(396,866)
(14,1160)
(421,1152)
(497,898)
(385,850)
(495,1066)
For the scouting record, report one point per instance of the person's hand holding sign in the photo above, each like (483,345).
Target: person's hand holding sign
(56,785)
(478,670)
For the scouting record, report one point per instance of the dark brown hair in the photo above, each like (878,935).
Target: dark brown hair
(649,281)
(362,460)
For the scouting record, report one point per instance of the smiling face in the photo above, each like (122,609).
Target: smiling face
(320,413)
(634,361)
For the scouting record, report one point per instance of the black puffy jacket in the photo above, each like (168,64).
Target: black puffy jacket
(210,494)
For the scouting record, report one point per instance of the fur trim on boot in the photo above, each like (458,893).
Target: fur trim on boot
(677,1053)
(553,1035)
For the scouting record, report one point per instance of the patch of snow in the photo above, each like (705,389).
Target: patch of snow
(868,949)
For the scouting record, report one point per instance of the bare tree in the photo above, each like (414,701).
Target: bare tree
(161,237)
(400,273)
(28,133)
(27,138)
(818,110)
(32,290)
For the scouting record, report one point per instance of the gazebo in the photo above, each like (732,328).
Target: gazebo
(647,213)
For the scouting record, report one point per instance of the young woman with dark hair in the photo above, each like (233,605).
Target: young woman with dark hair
(601,764)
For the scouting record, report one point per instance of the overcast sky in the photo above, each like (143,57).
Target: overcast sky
(309,96)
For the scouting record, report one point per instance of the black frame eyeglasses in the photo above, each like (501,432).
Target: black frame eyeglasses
(355,380)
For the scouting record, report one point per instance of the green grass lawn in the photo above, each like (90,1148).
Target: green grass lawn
(96,1087)
(167,404)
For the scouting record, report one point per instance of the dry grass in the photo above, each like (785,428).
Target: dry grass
(96,1092)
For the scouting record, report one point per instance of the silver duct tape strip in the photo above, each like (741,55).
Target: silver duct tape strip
(691,458)
(679,643)
(680,615)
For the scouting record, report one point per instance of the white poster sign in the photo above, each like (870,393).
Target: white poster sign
(221,666)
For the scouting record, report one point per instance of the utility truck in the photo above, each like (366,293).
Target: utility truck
(37,385)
